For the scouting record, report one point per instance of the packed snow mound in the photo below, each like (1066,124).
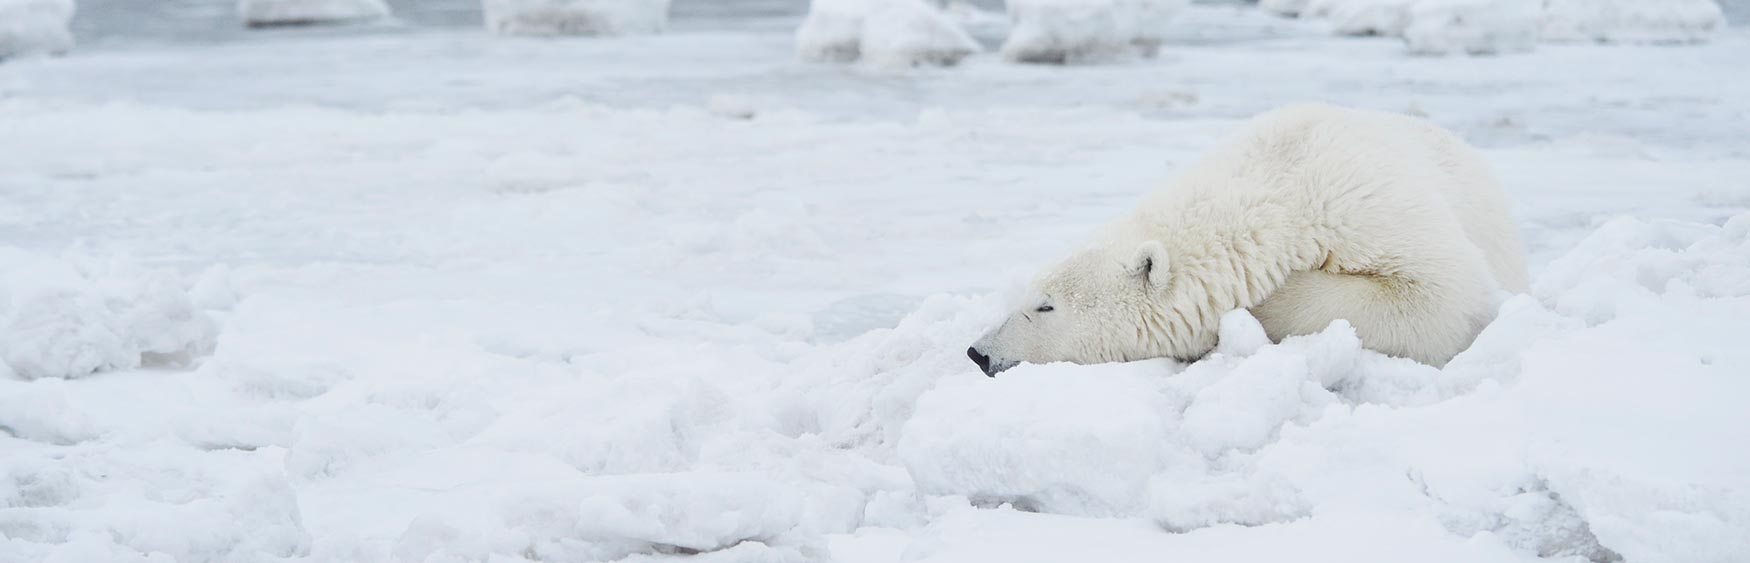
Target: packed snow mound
(302,12)
(1477,27)
(893,33)
(66,319)
(1631,21)
(35,26)
(576,17)
(1075,31)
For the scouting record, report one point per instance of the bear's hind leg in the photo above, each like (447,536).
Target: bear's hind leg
(1396,316)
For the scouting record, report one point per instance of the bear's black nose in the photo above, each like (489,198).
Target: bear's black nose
(982,360)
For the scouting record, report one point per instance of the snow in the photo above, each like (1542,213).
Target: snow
(1631,21)
(1505,26)
(1047,438)
(1290,8)
(1370,17)
(886,33)
(903,33)
(1477,27)
(468,299)
(575,17)
(33,26)
(67,319)
(298,12)
(1071,31)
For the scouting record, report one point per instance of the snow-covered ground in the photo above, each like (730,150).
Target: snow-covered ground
(413,292)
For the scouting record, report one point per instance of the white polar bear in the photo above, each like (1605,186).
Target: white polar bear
(1311,213)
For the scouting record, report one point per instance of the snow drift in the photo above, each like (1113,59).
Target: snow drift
(881,32)
(1071,31)
(35,26)
(576,17)
(301,12)
(60,319)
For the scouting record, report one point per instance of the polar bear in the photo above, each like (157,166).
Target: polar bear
(1309,214)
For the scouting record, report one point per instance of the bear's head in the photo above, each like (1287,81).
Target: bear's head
(1105,304)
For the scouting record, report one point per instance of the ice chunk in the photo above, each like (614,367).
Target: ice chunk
(911,33)
(35,26)
(1440,27)
(833,31)
(1073,31)
(59,319)
(1631,21)
(257,13)
(881,32)
(576,17)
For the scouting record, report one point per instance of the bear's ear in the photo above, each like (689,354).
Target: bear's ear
(1150,263)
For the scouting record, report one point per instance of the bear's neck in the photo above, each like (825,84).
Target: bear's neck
(1224,260)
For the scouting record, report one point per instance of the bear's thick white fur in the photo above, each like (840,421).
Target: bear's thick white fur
(1309,214)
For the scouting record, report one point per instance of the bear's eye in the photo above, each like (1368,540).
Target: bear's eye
(1043,309)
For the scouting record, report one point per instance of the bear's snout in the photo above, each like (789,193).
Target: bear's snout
(982,360)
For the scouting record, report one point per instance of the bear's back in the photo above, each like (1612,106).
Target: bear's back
(1313,154)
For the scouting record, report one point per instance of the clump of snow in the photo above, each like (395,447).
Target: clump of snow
(1191,497)
(1631,21)
(1041,437)
(731,106)
(41,411)
(1476,27)
(882,32)
(1240,334)
(160,502)
(611,518)
(1289,8)
(532,173)
(64,319)
(576,17)
(833,30)
(907,33)
(1370,17)
(35,26)
(1074,31)
(303,12)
